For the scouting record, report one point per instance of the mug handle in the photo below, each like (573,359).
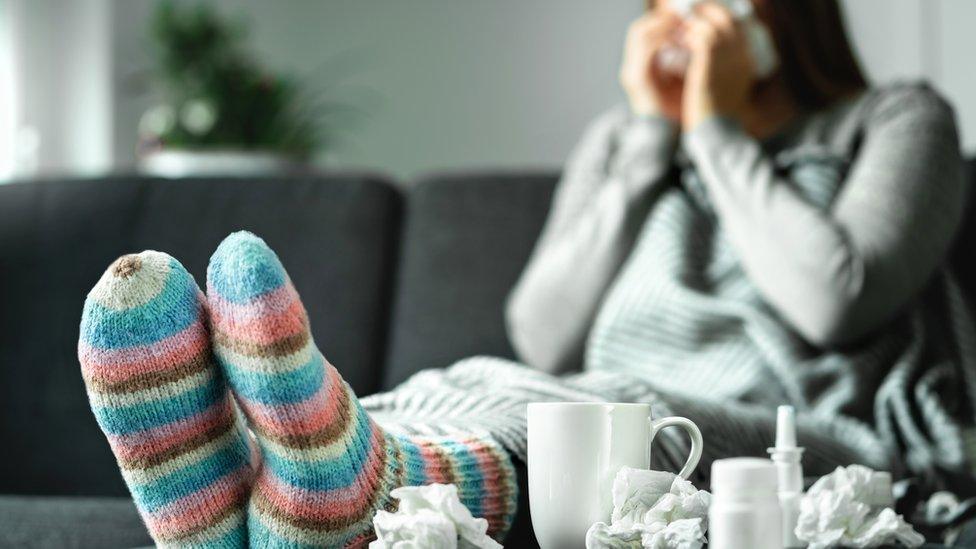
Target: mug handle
(693,432)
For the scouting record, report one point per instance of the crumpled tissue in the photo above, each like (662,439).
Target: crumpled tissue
(430,517)
(739,8)
(652,510)
(851,508)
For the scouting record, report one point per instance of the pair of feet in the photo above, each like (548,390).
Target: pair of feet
(163,365)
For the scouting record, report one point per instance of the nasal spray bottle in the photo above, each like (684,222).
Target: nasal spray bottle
(787,455)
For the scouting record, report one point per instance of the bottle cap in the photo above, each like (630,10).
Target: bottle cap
(878,492)
(738,476)
(785,427)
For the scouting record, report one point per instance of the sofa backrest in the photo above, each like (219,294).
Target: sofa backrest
(965,247)
(337,235)
(464,244)
(385,298)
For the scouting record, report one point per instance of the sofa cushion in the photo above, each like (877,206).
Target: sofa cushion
(464,244)
(64,522)
(962,253)
(336,235)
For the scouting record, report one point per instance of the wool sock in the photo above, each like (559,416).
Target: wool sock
(163,404)
(327,466)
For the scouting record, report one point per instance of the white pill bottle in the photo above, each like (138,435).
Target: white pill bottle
(745,511)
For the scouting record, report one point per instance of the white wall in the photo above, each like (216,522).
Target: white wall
(953,56)
(447,84)
(452,84)
(932,39)
(8,126)
(58,100)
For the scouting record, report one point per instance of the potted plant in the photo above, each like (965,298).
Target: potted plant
(221,111)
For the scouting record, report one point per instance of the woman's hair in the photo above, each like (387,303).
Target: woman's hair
(817,61)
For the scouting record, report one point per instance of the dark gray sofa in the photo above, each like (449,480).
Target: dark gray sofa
(394,281)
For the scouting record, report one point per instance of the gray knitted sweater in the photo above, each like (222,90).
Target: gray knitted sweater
(806,268)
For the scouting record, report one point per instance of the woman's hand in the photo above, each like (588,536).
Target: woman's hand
(649,91)
(721,73)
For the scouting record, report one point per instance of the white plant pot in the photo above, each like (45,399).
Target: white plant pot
(190,163)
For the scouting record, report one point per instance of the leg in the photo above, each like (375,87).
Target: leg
(146,359)
(327,466)
(490,394)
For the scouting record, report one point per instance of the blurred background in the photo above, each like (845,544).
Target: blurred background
(94,86)
(399,156)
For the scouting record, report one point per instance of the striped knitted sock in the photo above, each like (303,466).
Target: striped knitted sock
(162,402)
(327,467)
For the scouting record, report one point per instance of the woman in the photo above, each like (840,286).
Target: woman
(765,241)
(722,245)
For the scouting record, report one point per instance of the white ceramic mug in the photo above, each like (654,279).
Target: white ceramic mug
(575,451)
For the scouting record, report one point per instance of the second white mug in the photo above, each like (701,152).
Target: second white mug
(575,450)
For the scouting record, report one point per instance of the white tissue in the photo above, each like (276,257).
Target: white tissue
(652,510)
(430,517)
(676,59)
(424,528)
(851,507)
(739,8)
(680,534)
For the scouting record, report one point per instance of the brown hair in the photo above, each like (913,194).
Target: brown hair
(817,62)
